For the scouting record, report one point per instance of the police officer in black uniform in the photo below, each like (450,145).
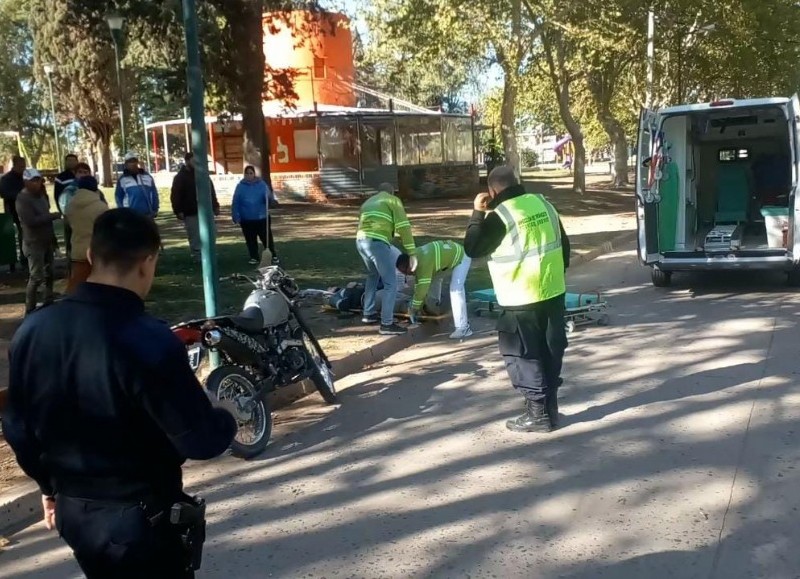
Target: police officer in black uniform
(103,409)
(530,328)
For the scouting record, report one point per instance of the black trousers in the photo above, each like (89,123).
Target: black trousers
(10,207)
(112,540)
(258,230)
(532,342)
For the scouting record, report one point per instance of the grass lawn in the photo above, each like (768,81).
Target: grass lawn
(316,245)
(316,242)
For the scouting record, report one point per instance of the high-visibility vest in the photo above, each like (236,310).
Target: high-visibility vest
(528,266)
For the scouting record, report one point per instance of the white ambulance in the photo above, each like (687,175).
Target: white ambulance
(716,187)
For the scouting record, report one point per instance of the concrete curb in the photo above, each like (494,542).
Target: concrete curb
(21,506)
(609,246)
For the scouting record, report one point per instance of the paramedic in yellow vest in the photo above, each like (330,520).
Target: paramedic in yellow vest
(434,259)
(382,218)
(528,252)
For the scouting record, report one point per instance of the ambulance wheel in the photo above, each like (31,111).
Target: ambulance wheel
(793,278)
(570,327)
(660,277)
(603,320)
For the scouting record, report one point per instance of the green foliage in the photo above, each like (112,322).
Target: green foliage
(418,52)
(529,158)
(23,107)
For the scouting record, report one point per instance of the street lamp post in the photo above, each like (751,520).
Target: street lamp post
(115,24)
(48,71)
(194,78)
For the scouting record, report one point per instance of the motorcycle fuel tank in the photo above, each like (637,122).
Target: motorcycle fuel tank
(272,305)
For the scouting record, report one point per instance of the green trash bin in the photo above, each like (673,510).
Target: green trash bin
(8,241)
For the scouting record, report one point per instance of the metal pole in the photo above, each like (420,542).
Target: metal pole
(55,125)
(166,148)
(124,138)
(147,146)
(651,56)
(186,127)
(194,78)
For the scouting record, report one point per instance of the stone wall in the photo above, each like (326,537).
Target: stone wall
(299,187)
(430,181)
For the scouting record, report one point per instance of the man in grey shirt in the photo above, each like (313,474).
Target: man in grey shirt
(38,237)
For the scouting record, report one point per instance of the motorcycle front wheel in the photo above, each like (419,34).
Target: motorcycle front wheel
(321,375)
(237,386)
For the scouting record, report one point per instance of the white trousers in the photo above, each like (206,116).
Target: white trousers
(458,295)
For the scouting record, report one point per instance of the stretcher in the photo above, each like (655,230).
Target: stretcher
(581,308)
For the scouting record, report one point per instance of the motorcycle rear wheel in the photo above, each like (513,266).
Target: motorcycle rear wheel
(253,416)
(321,375)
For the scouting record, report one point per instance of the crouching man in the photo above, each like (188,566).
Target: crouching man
(433,260)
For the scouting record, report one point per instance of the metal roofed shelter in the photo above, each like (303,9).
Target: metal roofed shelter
(328,151)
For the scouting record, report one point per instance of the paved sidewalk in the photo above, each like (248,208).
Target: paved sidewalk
(678,457)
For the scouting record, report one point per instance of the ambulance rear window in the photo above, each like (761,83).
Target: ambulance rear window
(732,155)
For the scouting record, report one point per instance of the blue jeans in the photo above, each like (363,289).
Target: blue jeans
(380,263)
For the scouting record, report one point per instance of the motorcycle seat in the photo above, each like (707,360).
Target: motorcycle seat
(250,320)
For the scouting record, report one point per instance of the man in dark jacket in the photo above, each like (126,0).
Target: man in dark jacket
(103,409)
(528,252)
(11,184)
(184,202)
(66,177)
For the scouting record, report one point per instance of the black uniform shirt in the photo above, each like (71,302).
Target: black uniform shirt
(102,403)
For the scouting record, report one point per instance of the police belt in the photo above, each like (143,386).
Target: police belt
(187,515)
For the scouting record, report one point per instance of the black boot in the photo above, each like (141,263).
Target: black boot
(535,419)
(551,405)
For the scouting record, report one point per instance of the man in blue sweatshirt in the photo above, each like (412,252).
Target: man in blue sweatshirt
(136,188)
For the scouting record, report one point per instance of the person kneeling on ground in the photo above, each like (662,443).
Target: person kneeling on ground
(38,237)
(81,212)
(433,259)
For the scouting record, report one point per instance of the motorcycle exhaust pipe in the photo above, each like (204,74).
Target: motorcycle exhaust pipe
(237,352)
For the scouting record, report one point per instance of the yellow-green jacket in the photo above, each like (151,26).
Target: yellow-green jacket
(433,258)
(382,217)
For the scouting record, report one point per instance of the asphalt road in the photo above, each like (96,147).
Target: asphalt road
(678,456)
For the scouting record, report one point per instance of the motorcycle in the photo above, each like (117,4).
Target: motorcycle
(265,347)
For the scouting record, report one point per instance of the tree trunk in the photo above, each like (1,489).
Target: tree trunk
(100,134)
(574,129)
(508,117)
(104,146)
(616,134)
(248,28)
(560,81)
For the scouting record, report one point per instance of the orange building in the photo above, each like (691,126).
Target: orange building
(318,47)
(336,139)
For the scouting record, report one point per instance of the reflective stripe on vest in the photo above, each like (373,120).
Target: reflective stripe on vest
(528,265)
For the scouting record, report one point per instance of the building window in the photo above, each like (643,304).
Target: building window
(320,70)
(305,144)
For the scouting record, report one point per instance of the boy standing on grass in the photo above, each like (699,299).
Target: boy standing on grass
(136,188)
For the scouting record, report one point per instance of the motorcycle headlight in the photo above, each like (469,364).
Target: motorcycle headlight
(213,337)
